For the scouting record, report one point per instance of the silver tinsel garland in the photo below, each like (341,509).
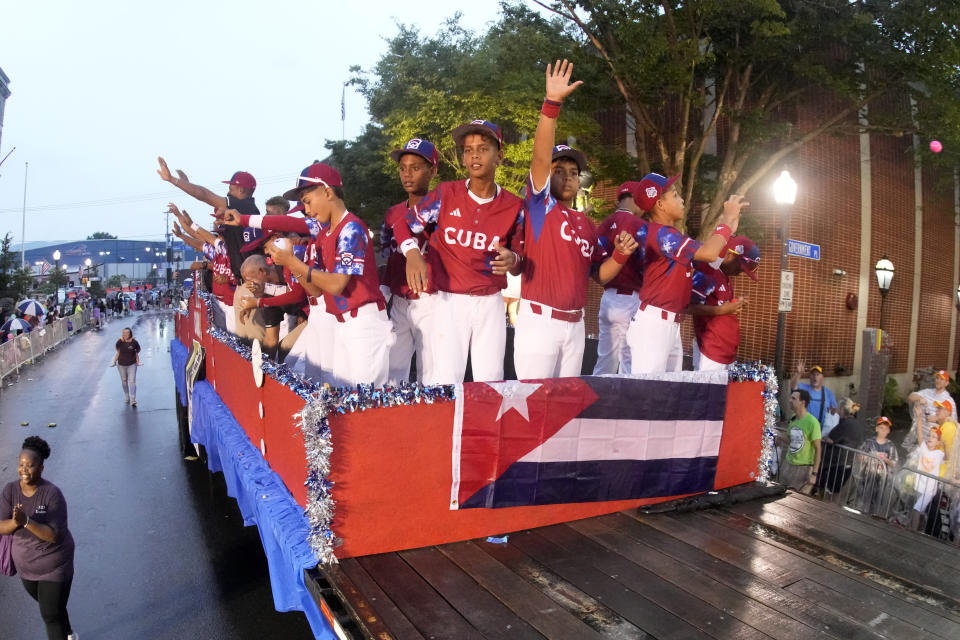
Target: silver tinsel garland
(313,422)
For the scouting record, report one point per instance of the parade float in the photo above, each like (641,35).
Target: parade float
(329,474)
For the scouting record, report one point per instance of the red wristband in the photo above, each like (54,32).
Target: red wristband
(550,108)
(723,230)
(620,258)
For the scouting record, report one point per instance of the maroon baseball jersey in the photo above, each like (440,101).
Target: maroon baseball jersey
(346,250)
(717,336)
(666,260)
(224,282)
(395,272)
(560,250)
(621,220)
(463,243)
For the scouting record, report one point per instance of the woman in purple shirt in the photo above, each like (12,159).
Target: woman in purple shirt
(33,511)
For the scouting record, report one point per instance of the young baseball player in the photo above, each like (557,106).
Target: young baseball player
(666,259)
(239,197)
(715,309)
(214,248)
(620,299)
(560,249)
(411,313)
(475,225)
(359,338)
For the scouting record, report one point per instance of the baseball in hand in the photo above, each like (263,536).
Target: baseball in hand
(281,243)
(935,146)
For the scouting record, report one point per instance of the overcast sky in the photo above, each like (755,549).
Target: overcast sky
(101,88)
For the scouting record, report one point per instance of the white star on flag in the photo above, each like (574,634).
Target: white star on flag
(515,394)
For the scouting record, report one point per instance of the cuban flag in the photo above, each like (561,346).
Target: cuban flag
(589,439)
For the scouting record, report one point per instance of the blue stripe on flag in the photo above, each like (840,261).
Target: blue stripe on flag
(636,399)
(532,483)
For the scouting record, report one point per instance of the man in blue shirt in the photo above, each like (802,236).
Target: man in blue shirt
(823,403)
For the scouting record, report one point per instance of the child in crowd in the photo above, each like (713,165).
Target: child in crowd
(874,475)
(928,458)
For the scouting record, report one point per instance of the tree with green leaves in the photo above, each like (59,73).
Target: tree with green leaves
(427,86)
(713,88)
(101,235)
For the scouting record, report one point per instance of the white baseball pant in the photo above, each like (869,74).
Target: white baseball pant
(545,346)
(703,363)
(412,321)
(361,347)
(654,339)
(312,353)
(224,317)
(475,325)
(616,311)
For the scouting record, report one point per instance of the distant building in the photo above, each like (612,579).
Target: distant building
(4,94)
(134,259)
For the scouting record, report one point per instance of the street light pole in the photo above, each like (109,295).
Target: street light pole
(785,193)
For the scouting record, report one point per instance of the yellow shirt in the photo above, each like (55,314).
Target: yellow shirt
(948,431)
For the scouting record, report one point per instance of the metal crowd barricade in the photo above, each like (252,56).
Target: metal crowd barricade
(869,484)
(24,349)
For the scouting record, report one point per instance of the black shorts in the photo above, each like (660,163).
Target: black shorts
(272,316)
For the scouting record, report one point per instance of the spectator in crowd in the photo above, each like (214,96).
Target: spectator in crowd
(34,512)
(874,473)
(928,457)
(126,360)
(799,471)
(838,463)
(823,404)
(948,432)
(927,398)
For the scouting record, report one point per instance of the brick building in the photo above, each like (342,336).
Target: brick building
(860,198)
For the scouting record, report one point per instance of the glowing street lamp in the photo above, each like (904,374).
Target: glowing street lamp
(785,194)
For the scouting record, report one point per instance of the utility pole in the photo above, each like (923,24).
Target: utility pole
(23,228)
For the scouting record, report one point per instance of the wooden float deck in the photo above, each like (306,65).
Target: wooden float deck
(789,567)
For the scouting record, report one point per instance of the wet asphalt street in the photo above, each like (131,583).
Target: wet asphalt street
(161,549)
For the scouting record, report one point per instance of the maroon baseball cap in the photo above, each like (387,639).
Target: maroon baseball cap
(242,179)
(630,188)
(652,187)
(483,127)
(747,252)
(315,175)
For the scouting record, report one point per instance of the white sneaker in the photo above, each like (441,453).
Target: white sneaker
(126,400)
(73,636)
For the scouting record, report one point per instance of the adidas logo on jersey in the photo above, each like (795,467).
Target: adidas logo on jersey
(613,226)
(456,213)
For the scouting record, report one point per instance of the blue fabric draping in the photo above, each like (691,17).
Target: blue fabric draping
(178,357)
(263,499)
